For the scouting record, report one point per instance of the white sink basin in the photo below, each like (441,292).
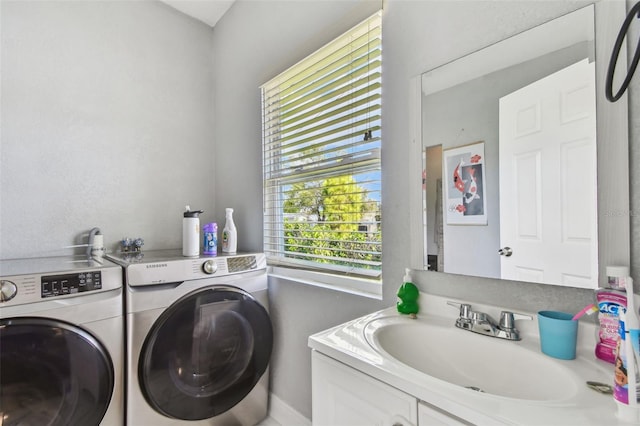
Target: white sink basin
(487,364)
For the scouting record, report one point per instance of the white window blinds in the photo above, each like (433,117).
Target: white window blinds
(321,157)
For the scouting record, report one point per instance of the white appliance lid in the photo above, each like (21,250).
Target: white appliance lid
(52,265)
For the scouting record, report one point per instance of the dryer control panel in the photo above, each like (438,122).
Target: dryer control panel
(169,266)
(54,280)
(62,285)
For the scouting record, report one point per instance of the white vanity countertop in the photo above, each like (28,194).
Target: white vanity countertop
(347,344)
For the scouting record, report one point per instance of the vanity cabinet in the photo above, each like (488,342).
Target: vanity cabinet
(429,415)
(343,396)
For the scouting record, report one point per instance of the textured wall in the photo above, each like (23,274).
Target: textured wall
(107,120)
(418,35)
(283,32)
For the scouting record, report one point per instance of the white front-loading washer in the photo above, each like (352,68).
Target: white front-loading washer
(61,342)
(199,338)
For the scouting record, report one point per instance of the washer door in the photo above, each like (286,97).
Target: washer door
(205,353)
(52,373)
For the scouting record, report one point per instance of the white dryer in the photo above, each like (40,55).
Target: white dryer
(199,338)
(61,342)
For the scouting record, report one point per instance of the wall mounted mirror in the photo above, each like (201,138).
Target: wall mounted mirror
(518,150)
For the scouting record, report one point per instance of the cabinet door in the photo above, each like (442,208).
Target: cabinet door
(343,396)
(431,416)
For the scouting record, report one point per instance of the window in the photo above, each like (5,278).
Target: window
(321,122)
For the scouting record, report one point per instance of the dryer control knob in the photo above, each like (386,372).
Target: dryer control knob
(210,267)
(8,291)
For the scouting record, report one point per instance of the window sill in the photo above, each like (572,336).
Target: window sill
(358,286)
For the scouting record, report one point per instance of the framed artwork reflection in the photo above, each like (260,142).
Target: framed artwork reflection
(465,201)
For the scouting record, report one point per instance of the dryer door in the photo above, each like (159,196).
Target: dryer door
(205,353)
(52,373)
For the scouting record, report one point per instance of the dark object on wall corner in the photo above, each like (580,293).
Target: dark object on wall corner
(432,260)
(614,57)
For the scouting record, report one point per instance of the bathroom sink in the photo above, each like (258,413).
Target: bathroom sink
(480,363)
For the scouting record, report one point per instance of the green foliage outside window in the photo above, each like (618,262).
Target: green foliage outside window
(330,220)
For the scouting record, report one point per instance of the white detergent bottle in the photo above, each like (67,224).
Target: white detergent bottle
(229,234)
(626,367)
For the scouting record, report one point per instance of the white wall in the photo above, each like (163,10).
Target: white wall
(255,41)
(107,120)
(418,35)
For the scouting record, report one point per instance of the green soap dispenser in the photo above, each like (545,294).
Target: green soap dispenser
(408,295)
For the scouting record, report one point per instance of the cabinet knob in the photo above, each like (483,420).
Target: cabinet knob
(399,420)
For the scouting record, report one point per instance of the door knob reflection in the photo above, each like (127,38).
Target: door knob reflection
(506,251)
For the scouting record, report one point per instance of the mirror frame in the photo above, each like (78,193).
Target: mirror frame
(612,159)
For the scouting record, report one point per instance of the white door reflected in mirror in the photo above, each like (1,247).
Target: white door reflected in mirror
(548,197)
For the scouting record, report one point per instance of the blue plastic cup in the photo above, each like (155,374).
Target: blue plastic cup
(558,334)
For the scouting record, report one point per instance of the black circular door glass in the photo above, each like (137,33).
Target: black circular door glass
(205,353)
(52,373)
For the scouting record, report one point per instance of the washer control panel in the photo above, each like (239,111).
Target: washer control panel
(230,265)
(62,285)
(169,266)
(242,263)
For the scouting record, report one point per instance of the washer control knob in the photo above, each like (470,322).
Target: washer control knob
(210,267)
(8,291)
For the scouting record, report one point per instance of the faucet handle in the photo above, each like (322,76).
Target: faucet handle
(508,319)
(465,309)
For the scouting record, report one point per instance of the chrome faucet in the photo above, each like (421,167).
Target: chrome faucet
(482,323)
